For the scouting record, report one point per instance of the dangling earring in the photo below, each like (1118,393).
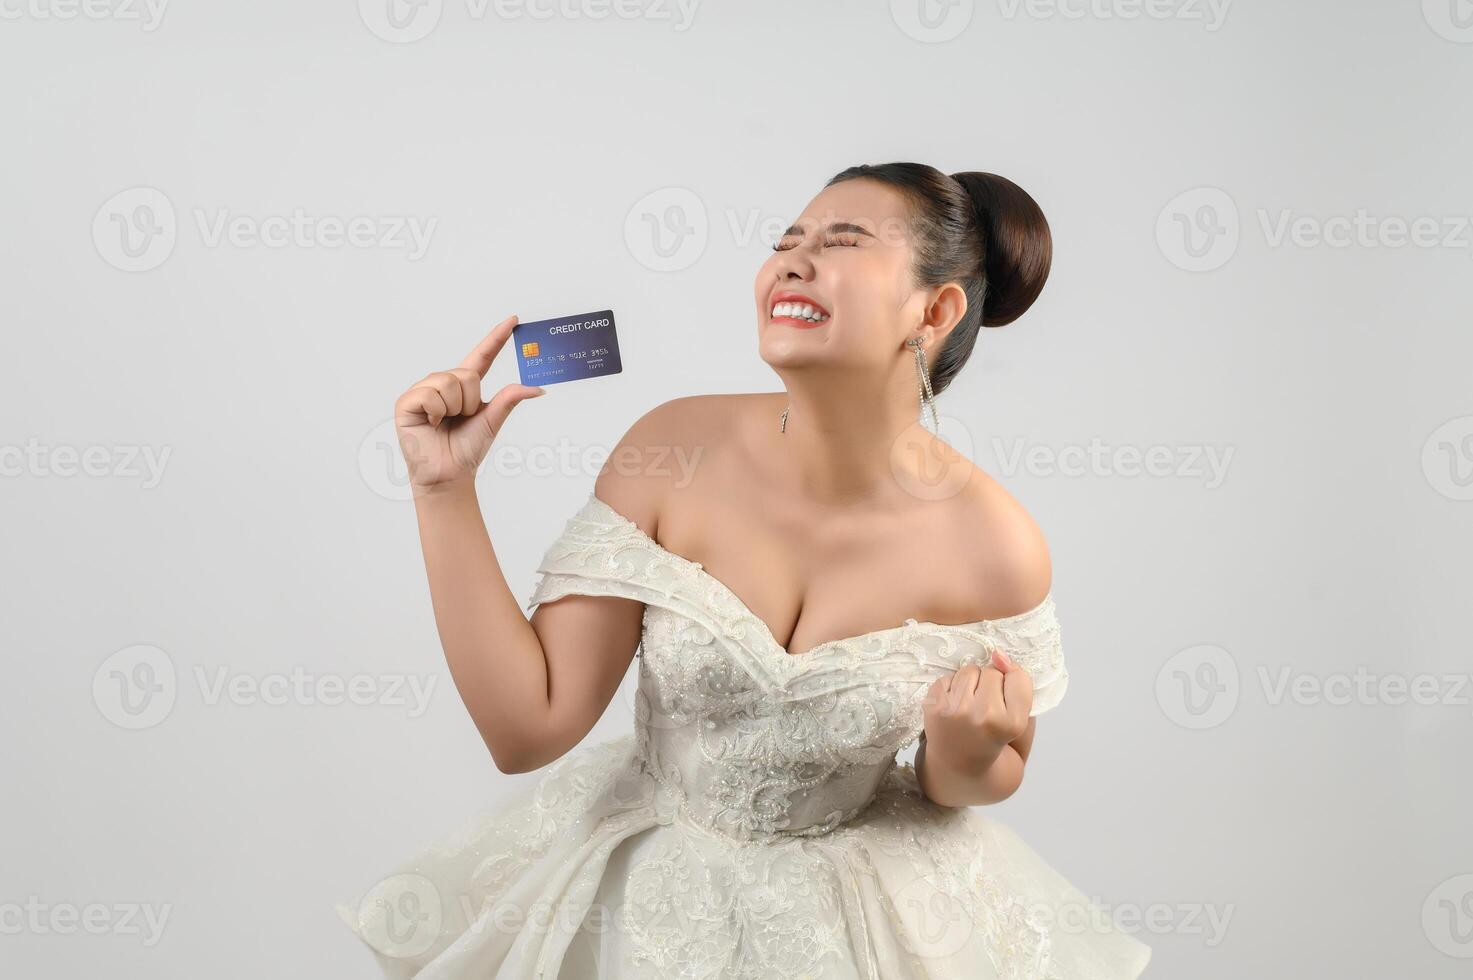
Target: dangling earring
(923,384)
(784,426)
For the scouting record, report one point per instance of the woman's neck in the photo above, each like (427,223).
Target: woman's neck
(843,443)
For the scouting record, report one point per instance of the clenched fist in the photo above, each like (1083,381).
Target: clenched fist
(974,713)
(444,429)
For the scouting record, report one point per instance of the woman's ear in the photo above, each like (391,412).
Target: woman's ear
(945,310)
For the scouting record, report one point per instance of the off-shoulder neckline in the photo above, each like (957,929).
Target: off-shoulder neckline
(769,640)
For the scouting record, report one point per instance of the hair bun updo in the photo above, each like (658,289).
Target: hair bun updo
(1017,248)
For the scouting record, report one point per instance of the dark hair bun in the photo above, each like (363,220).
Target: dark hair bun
(1017,248)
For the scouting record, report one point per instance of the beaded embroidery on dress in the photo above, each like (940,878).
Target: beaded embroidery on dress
(755,824)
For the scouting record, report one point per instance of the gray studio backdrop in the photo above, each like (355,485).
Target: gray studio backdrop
(233,232)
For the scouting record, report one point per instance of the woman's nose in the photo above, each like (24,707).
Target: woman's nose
(795,263)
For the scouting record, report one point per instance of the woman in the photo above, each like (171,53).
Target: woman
(809,599)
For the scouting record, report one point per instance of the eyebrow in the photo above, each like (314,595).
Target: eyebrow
(836,227)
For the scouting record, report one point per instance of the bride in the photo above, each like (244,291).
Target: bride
(830,584)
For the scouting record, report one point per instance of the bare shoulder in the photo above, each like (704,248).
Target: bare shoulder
(1011,564)
(658,450)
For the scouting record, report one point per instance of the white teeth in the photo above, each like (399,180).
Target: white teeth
(800,310)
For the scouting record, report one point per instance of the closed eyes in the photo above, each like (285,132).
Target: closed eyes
(792,241)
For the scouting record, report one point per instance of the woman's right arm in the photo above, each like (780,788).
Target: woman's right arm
(533,693)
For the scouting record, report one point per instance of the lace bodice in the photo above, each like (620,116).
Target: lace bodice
(745,738)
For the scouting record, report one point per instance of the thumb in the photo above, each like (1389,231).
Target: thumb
(493,414)
(1003,662)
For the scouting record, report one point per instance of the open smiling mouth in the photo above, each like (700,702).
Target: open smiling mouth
(798,310)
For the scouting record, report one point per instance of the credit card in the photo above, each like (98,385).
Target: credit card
(567,348)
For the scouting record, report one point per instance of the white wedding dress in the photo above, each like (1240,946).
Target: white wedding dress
(755,824)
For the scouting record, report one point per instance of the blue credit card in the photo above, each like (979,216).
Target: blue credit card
(567,348)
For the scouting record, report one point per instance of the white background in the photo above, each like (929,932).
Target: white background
(1332,375)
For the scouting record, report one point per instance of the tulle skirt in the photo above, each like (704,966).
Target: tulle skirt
(595,871)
